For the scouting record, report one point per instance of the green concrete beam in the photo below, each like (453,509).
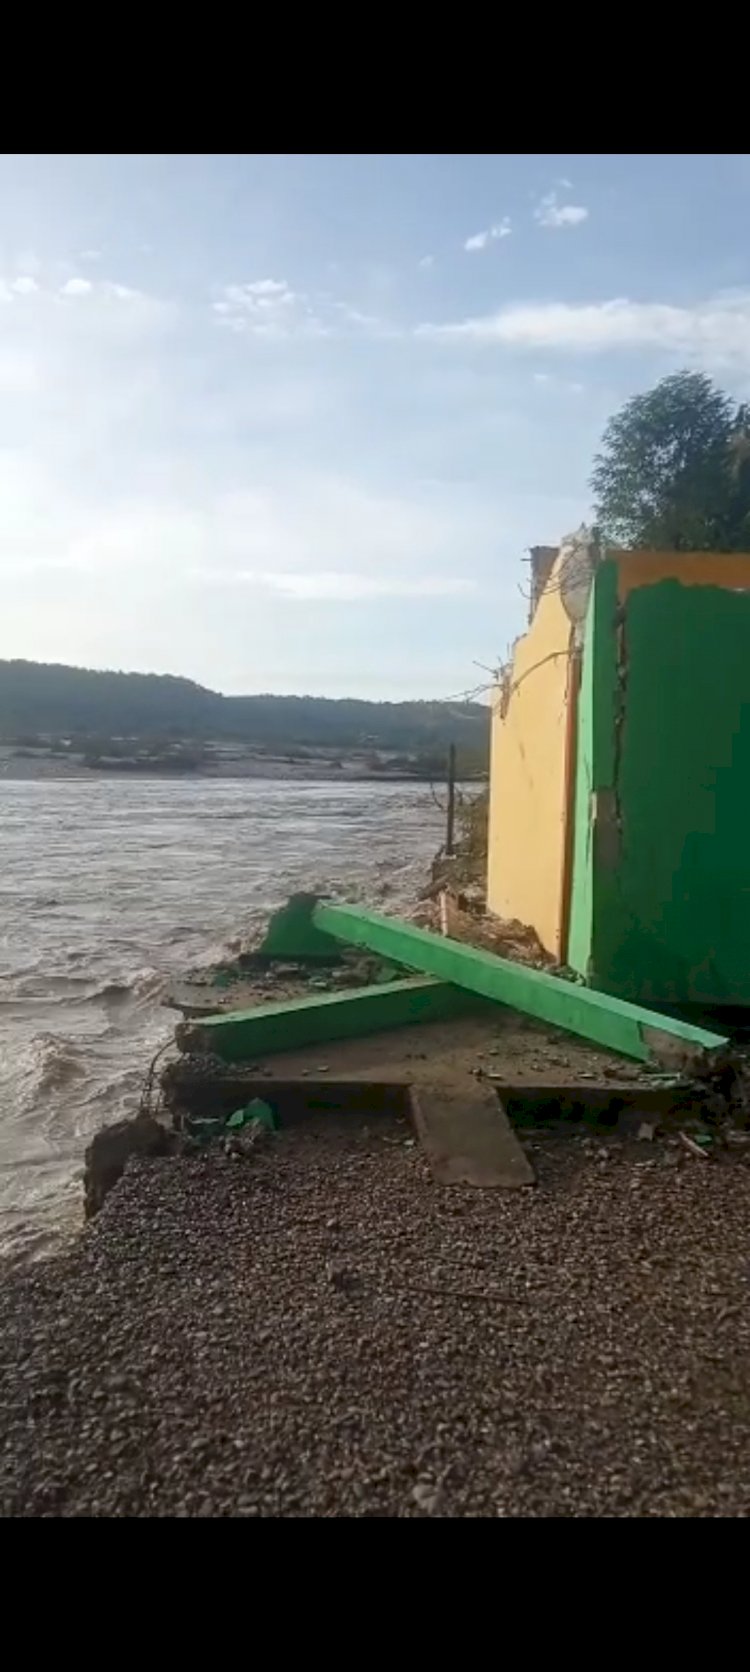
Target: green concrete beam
(610,1022)
(291,933)
(245,1035)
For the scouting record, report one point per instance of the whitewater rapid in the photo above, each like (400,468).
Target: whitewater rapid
(112,888)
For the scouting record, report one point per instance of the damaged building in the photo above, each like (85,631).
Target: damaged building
(620,771)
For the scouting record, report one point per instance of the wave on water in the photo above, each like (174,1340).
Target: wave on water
(110,892)
(144,985)
(52,990)
(49,1063)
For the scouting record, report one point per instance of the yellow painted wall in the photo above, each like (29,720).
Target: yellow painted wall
(529,790)
(532,744)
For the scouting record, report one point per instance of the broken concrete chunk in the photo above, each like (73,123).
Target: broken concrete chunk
(110,1150)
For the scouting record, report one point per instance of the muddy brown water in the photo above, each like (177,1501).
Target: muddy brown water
(109,890)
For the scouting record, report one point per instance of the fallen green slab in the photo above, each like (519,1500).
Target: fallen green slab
(291,933)
(613,1023)
(245,1035)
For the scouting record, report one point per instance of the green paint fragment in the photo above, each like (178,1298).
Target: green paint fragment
(255,1110)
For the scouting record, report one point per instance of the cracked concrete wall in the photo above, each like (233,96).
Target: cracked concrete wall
(542,560)
(530,798)
(660,907)
(596,821)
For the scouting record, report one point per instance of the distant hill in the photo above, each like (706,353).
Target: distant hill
(41,698)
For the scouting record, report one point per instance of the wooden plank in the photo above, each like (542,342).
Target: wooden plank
(619,1026)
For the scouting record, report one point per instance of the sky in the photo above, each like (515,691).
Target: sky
(291,422)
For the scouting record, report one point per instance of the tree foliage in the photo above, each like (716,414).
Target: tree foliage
(673,472)
(46,698)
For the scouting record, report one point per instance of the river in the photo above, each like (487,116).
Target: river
(110,888)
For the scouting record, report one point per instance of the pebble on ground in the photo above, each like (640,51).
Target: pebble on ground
(323,1331)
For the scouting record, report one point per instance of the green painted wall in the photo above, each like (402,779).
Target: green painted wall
(671,916)
(594,759)
(660,902)
(582,887)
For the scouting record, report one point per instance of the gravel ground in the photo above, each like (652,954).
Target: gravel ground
(323,1331)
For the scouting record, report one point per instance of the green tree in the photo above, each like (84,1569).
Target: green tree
(673,472)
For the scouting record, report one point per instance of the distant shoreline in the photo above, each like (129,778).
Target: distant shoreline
(51,768)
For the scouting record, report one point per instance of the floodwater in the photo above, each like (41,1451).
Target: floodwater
(109,889)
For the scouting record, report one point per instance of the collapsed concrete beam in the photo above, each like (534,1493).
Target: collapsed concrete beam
(610,1022)
(466,1134)
(291,933)
(245,1035)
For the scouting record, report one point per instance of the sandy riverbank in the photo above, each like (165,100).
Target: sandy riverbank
(43,767)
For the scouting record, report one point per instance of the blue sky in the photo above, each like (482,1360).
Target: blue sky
(289,423)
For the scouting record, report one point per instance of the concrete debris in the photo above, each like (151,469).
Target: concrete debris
(508,938)
(695,1149)
(252,980)
(112,1148)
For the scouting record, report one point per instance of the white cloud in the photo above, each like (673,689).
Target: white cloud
(271,308)
(91,255)
(114,483)
(480,240)
(268,291)
(340,586)
(716,331)
(551,213)
(42,322)
(301,523)
(292,535)
(263,307)
(355,316)
(76,287)
(561,383)
(78,379)
(426,261)
(567,214)
(332,316)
